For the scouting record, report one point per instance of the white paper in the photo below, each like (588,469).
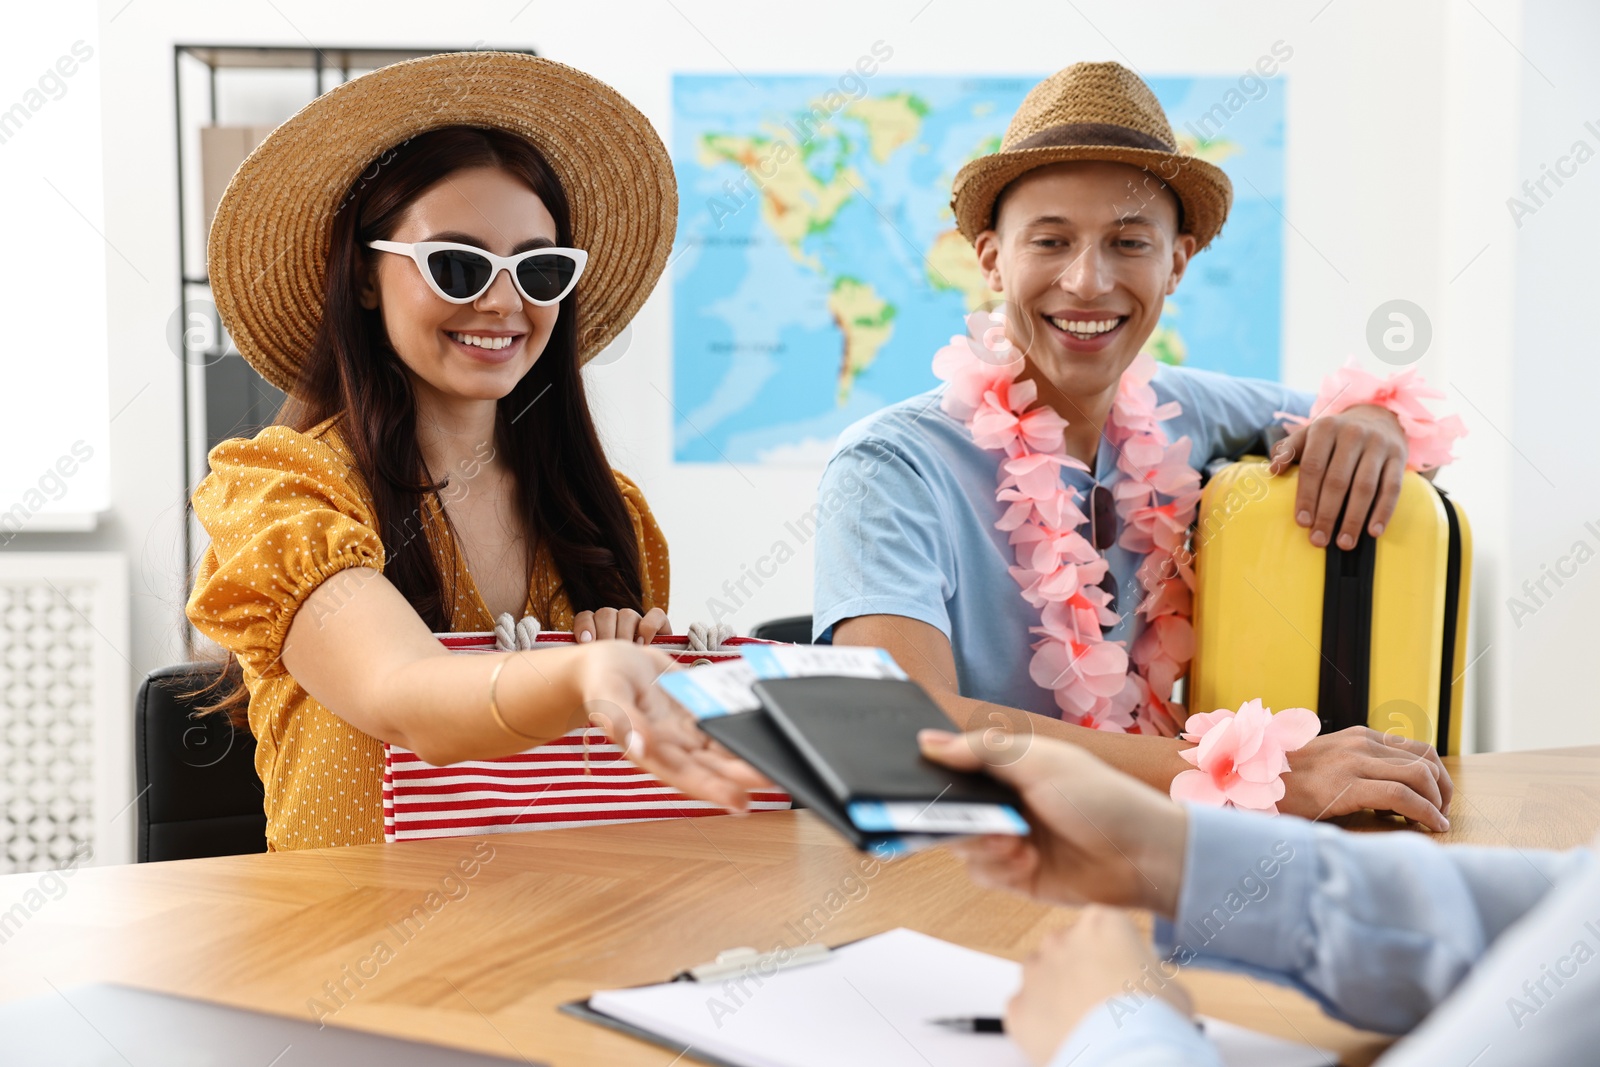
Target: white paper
(869,1005)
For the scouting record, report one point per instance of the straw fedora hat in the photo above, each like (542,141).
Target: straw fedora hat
(267,256)
(1093,111)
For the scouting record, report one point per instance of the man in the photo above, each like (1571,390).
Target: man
(1085,220)
(1479,954)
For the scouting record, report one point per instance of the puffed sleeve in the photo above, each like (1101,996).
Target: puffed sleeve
(284,514)
(655,573)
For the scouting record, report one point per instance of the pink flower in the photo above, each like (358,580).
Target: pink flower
(1066,583)
(1171,595)
(1113,718)
(1132,493)
(1350,386)
(1159,526)
(1085,612)
(1155,720)
(1163,651)
(1037,474)
(994,424)
(1136,410)
(1164,469)
(1019,509)
(1028,579)
(1428,444)
(1051,546)
(1042,429)
(1076,618)
(1062,509)
(970,377)
(1156,717)
(1101,666)
(1159,568)
(1040,587)
(1428,437)
(1242,756)
(1002,421)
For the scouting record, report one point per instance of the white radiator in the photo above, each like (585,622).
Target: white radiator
(66,724)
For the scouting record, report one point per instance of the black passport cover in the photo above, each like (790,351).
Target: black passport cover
(859,735)
(752,737)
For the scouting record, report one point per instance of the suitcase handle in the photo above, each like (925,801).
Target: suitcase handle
(1346,633)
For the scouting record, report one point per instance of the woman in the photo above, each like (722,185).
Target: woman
(422,259)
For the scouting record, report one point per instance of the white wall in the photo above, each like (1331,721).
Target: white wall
(1481,89)
(1555,365)
(1402,145)
(55,476)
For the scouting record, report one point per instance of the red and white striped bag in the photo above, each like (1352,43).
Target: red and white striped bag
(580,779)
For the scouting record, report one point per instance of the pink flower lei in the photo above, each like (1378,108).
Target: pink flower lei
(1096,683)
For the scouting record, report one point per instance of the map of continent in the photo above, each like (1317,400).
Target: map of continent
(817,266)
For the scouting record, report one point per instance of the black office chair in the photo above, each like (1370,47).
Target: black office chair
(198,790)
(795,630)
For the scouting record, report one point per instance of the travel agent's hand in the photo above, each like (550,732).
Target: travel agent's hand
(1081,966)
(1098,835)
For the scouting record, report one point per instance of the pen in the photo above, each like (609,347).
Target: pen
(973,1024)
(990,1024)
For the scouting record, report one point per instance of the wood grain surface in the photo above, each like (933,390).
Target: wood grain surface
(475,942)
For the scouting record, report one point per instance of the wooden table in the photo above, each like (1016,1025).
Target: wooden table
(548,917)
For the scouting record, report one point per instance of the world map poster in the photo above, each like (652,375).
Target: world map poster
(817,267)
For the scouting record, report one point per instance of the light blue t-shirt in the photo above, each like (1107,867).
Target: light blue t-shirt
(907,512)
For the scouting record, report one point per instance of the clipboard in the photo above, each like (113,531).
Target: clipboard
(882,997)
(673,1014)
(581,1009)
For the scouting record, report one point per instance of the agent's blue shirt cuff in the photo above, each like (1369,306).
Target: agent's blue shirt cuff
(1247,883)
(1129,1032)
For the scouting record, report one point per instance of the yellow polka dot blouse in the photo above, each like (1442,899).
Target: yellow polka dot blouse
(286,510)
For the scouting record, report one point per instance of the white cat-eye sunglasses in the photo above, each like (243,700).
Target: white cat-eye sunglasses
(462,273)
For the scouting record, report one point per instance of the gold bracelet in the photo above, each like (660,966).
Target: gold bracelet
(494,705)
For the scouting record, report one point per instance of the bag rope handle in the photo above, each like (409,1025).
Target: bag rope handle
(513,635)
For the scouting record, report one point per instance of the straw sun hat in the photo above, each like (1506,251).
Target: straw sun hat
(1093,111)
(267,256)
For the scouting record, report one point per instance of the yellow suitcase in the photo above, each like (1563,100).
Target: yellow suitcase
(1375,636)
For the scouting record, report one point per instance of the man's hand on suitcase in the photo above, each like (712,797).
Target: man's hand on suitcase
(1360,453)
(1357,768)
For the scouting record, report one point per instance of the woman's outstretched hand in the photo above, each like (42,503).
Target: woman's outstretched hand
(617,681)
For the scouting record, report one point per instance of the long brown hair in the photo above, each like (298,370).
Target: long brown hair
(565,493)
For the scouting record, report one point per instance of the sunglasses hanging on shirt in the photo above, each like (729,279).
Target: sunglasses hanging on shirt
(1103,533)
